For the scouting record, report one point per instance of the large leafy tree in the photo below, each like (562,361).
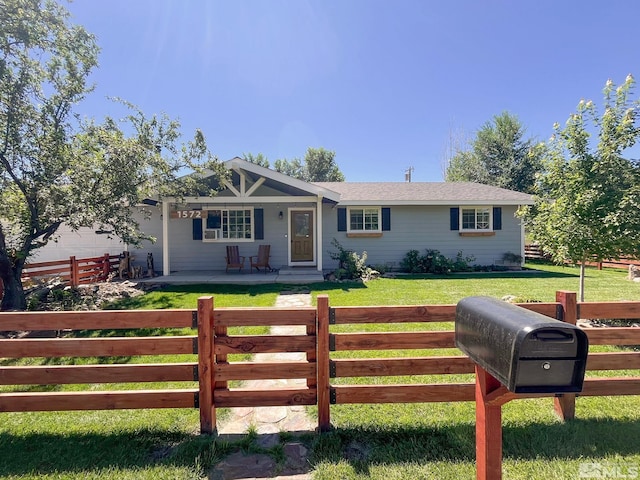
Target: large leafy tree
(319,166)
(588,198)
(499,155)
(55,169)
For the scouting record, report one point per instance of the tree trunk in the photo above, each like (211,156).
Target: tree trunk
(14,297)
(581,287)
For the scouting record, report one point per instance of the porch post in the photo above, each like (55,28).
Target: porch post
(522,240)
(166,269)
(319,232)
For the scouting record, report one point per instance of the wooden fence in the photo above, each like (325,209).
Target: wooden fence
(535,252)
(214,371)
(110,346)
(74,271)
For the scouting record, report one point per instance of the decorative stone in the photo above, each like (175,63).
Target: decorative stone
(239,465)
(296,455)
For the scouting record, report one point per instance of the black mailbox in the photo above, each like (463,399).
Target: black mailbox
(524,350)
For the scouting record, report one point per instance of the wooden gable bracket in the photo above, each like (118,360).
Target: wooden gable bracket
(243,192)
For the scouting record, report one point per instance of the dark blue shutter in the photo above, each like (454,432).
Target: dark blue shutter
(497,218)
(454,214)
(197,228)
(342,219)
(258,218)
(386,219)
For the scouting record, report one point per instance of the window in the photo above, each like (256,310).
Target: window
(228,224)
(364,219)
(478,218)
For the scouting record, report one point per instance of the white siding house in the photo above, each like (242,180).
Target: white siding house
(299,220)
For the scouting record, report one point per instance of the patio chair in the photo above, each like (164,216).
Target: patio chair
(234,259)
(262,259)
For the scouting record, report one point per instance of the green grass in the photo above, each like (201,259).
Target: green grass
(438,440)
(416,441)
(539,284)
(186,296)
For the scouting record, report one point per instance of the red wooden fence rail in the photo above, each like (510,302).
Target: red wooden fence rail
(535,252)
(217,364)
(74,271)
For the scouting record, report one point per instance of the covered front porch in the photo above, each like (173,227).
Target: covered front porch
(285,275)
(256,207)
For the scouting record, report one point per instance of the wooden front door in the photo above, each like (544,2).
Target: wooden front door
(301,233)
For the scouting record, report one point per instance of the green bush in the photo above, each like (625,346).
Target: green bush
(351,266)
(411,262)
(435,262)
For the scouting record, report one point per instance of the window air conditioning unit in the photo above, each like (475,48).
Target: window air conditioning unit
(212,234)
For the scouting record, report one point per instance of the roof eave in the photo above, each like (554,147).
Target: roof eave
(238,162)
(433,202)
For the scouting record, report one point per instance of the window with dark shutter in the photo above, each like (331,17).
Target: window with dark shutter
(197,228)
(342,219)
(497,218)
(454,214)
(386,219)
(258,217)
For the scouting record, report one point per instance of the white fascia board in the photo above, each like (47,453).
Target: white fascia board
(363,203)
(242,200)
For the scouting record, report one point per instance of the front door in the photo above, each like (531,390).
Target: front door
(301,233)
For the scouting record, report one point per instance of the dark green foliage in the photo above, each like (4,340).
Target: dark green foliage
(588,197)
(435,262)
(351,266)
(58,169)
(499,155)
(319,165)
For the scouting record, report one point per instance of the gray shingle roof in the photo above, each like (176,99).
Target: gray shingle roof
(424,193)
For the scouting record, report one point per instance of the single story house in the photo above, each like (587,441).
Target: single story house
(299,220)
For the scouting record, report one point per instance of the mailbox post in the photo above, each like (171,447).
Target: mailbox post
(515,351)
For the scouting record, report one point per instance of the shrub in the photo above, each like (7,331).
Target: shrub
(511,257)
(351,266)
(435,262)
(411,262)
(462,263)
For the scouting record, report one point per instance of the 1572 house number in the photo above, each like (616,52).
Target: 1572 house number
(186,214)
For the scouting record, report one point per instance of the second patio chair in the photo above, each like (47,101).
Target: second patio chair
(262,259)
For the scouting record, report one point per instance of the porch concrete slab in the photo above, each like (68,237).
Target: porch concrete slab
(284,275)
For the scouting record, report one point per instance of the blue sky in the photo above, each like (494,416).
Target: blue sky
(382,83)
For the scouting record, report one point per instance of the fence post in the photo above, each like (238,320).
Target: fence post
(565,404)
(205,365)
(73,271)
(106,267)
(488,428)
(322,345)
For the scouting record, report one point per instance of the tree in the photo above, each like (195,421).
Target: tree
(499,155)
(55,169)
(293,168)
(319,166)
(258,159)
(588,198)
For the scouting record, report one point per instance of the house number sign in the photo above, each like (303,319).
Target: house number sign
(185,214)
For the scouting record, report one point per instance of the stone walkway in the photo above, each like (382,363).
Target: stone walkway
(268,422)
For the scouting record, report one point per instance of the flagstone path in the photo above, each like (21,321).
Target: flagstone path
(268,422)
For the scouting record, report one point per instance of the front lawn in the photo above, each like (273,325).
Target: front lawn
(420,441)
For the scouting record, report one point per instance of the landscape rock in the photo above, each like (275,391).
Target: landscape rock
(55,296)
(241,465)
